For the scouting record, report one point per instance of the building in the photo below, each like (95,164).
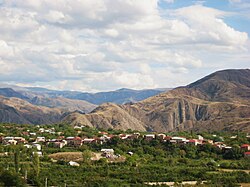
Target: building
(245,147)
(247,154)
(40,139)
(74,141)
(72,163)
(149,137)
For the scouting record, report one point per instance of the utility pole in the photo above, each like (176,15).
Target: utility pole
(25,175)
(46,182)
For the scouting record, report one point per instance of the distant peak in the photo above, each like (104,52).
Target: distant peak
(125,89)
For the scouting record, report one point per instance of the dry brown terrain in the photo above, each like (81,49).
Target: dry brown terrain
(220,101)
(77,156)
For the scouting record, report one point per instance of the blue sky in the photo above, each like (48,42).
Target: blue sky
(100,45)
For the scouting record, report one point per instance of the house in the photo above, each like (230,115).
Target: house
(136,135)
(77,128)
(161,136)
(167,138)
(219,144)
(125,136)
(58,144)
(4,154)
(247,154)
(9,141)
(40,139)
(103,133)
(130,153)
(20,140)
(109,151)
(225,148)
(74,141)
(39,153)
(209,141)
(173,141)
(37,147)
(179,139)
(200,137)
(88,140)
(149,137)
(12,142)
(72,163)
(192,142)
(41,130)
(28,146)
(25,133)
(245,147)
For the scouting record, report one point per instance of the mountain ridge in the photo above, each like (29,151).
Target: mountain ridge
(215,102)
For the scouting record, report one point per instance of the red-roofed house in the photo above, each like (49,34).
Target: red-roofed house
(247,154)
(245,147)
(192,142)
(74,141)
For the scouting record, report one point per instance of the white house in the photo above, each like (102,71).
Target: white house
(40,139)
(37,146)
(72,163)
(179,139)
(109,151)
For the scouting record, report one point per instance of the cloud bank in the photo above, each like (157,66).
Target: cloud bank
(94,45)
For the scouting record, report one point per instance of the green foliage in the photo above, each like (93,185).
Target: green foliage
(152,161)
(36,164)
(234,153)
(86,156)
(8,178)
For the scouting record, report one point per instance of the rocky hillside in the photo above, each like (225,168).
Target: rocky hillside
(15,110)
(64,104)
(220,101)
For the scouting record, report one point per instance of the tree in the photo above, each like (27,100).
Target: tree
(11,179)
(36,163)
(16,159)
(234,153)
(86,156)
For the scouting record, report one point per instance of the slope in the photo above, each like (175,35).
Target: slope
(220,101)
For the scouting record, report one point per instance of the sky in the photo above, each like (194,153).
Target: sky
(101,45)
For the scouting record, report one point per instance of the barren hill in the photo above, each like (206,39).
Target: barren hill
(220,101)
(15,110)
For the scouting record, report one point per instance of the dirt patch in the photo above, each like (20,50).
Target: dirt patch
(233,170)
(77,156)
(67,156)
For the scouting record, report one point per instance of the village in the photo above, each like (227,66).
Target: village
(61,154)
(36,141)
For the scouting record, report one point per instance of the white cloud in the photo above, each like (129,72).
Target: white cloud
(209,27)
(96,45)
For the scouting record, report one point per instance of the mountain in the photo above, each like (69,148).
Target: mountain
(9,92)
(219,101)
(65,104)
(15,110)
(120,96)
(34,105)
